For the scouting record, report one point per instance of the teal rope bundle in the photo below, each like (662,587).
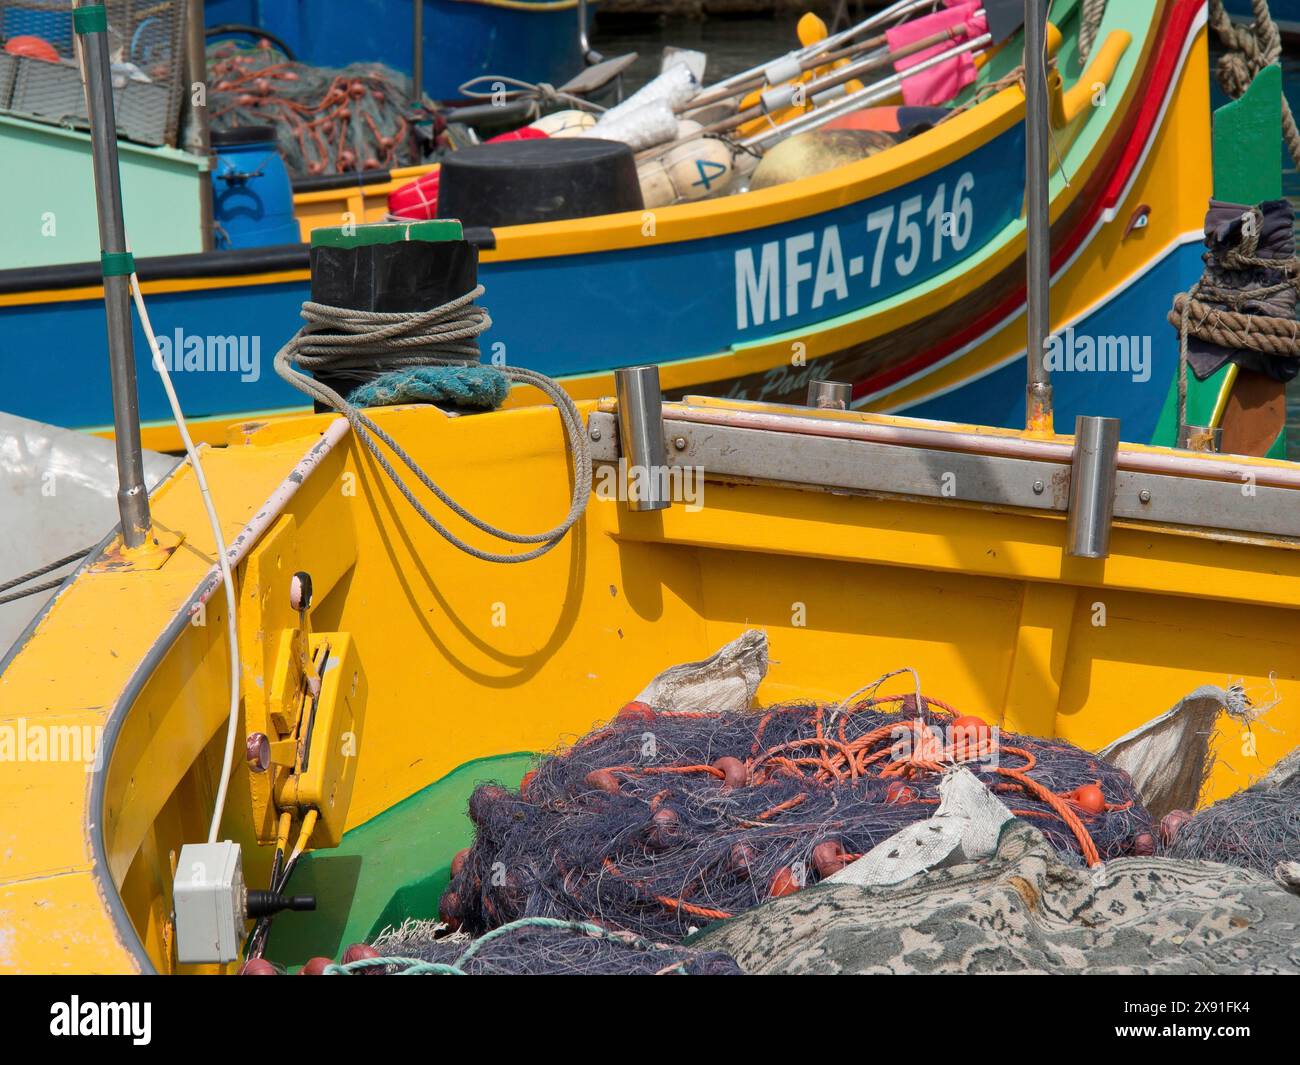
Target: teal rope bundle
(336,339)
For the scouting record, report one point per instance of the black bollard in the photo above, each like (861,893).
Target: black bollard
(389,266)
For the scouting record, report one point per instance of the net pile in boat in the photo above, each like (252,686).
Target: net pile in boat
(534,947)
(660,822)
(327,120)
(1258,828)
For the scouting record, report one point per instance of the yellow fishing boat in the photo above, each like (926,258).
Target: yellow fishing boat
(1053,584)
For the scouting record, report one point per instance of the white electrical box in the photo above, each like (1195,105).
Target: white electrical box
(210,902)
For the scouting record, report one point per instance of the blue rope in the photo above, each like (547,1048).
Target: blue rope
(475,387)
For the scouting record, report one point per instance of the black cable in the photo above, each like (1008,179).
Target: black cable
(48,568)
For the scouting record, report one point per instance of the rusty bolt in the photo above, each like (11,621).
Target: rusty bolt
(257,752)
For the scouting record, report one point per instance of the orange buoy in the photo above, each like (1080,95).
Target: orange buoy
(32,47)
(898,793)
(1172,823)
(1089,798)
(828,858)
(635,711)
(603,780)
(315,966)
(449,910)
(733,771)
(458,862)
(358,951)
(740,859)
(969,735)
(783,883)
(258,967)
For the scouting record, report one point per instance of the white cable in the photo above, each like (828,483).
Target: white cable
(232,723)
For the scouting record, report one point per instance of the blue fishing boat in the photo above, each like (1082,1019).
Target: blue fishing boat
(755,295)
(533,40)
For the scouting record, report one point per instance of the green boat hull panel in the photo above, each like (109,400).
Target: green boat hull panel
(393,867)
(1247,169)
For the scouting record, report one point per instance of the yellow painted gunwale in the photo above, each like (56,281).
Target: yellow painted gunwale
(630,594)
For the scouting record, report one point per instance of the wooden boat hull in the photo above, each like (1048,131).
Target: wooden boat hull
(756,295)
(465,660)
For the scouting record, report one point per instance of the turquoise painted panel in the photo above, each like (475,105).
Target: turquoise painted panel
(49,195)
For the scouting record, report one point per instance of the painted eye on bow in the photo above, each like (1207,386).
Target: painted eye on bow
(1139,220)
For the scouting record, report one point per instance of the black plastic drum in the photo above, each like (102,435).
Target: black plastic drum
(514,182)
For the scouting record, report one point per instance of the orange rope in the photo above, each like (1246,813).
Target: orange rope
(835,759)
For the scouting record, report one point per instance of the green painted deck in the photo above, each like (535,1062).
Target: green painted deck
(393,867)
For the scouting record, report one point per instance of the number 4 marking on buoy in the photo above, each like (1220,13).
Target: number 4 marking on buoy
(708,170)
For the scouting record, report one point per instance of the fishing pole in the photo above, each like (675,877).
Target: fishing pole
(780,97)
(869,94)
(897,11)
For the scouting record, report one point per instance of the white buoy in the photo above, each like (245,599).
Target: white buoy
(564,123)
(644,127)
(690,171)
(675,85)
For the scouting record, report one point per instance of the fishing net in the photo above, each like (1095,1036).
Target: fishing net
(660,822)
(327,120)
(533,947)
(1258,828)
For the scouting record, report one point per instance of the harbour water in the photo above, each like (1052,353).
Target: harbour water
(734,44)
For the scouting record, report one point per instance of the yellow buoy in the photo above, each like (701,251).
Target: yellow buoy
(816,152)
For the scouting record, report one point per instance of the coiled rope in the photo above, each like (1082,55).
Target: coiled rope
(1232,327)
(541,95)
(341,341)
(1249,50)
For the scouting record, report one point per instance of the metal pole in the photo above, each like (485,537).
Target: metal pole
(417,62)
(590,57)
(197,140)
(1038,265)
(1092,486)
(91,24)
(641,432)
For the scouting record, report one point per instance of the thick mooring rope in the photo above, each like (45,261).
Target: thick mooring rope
(340,340)
(1249,50)
(1234,328)
(1089,23)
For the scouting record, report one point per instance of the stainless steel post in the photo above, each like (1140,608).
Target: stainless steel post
(1038,265)
(590,57)
(90,22)
(830,395)
(417,61)
(641,432)
(197,138)
(1092,486)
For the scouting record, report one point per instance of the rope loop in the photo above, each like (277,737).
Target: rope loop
(356,343)
(1251,48)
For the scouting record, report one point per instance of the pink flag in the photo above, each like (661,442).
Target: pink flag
(945,80)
